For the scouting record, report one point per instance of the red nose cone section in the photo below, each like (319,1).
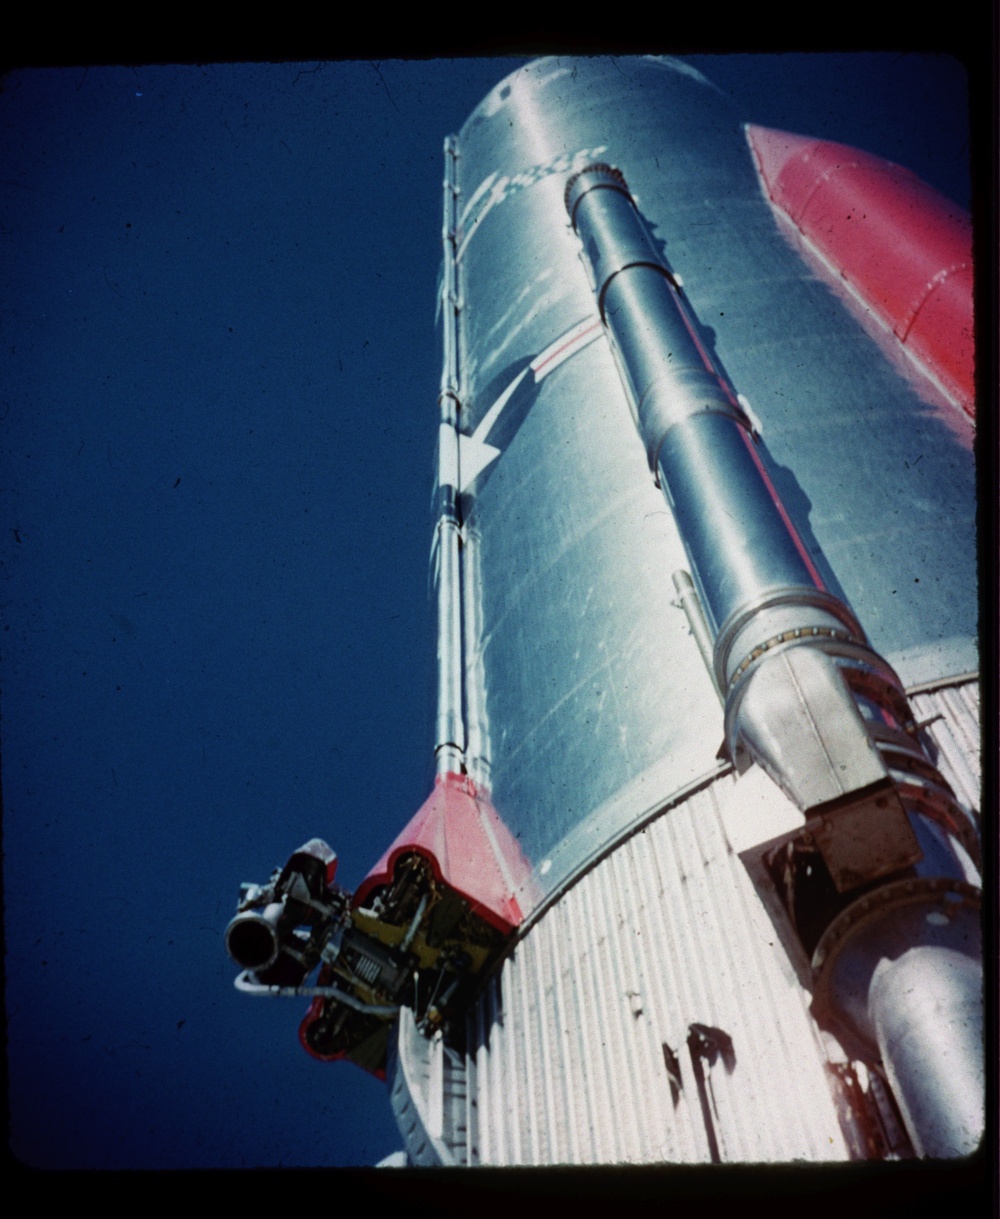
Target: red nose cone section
(469,849)
(903,247)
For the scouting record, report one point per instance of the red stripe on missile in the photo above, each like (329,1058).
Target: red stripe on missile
(904,248)
(565,346)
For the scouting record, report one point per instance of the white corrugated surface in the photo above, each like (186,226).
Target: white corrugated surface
(566,1061)
(665,933)
(951,716)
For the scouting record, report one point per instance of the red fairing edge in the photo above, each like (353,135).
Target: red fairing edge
(904,248)
(469,849)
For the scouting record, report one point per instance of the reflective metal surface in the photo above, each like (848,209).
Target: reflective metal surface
(899,978)
(690,603)
(926,1005)
(449,741)
(787,707)
(594,701)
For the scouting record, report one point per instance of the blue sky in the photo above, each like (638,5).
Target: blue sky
(218,397)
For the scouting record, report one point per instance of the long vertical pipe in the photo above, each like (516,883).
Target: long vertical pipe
(477,738)
(449,747)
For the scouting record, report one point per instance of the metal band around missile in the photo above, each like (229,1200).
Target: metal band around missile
(788,610)
(667,370)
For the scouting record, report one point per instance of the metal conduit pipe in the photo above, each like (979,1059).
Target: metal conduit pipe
(689,601)
(941,1094)
(449,744)
(899,978)
(758,587)
(450,725)
(805,696)
(248,986)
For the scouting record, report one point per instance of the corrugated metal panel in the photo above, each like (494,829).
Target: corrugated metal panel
(580,1049)
(574,1046)
(950,716)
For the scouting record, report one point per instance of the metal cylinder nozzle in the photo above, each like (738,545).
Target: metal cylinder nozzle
(253,938)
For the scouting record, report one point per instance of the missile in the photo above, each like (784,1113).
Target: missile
(698,878)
